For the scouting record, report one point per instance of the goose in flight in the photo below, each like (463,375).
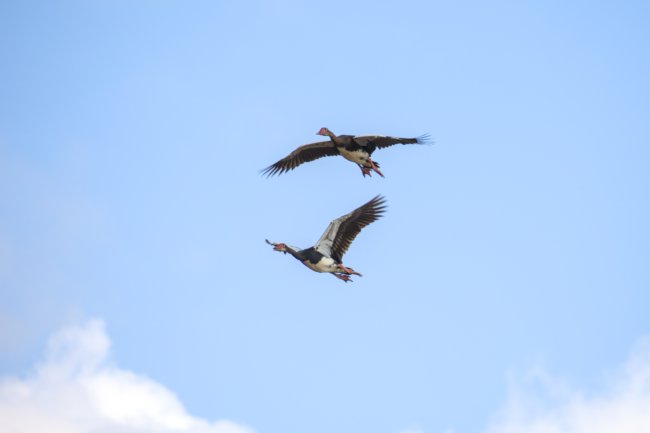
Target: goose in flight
(327,254)
(357,149)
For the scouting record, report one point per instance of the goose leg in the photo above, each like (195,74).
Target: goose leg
(343,277)
(348,271)
(365,171)
(374,167)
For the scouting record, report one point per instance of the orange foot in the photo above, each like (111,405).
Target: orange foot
(343,277)
(374,167)
(348,271)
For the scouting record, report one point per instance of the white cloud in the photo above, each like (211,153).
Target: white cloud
(77,390)
(542,404)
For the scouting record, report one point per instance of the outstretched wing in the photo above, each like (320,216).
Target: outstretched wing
(305,153)
(381,141)
(341,232)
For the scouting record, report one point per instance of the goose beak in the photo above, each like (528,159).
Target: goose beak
(277,246)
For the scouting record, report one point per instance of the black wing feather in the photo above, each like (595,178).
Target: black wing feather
(354,222)
(381,141)
(305,153)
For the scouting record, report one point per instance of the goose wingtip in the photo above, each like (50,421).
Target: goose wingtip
(425,139)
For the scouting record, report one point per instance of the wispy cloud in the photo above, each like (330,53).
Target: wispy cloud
(540,403)
(77,390)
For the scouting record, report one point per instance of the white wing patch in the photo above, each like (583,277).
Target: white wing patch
(324,244)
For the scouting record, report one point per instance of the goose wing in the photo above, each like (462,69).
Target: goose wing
(305,153)
(381,141)
(341,232)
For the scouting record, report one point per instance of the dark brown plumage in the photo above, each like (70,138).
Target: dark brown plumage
(327,254)
(357,149)
(352,223)
(305,153)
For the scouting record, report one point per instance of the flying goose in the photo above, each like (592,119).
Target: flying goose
(357,149)
(327,254)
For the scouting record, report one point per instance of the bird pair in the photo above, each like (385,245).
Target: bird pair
(327,254)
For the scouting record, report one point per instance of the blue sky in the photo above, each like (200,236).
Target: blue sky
(132,212)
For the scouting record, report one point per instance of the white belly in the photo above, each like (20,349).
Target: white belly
(357,156)
(326,264)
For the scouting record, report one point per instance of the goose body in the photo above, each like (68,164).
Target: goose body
(358,156)
(327,254)
(357,149)
(318,262)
